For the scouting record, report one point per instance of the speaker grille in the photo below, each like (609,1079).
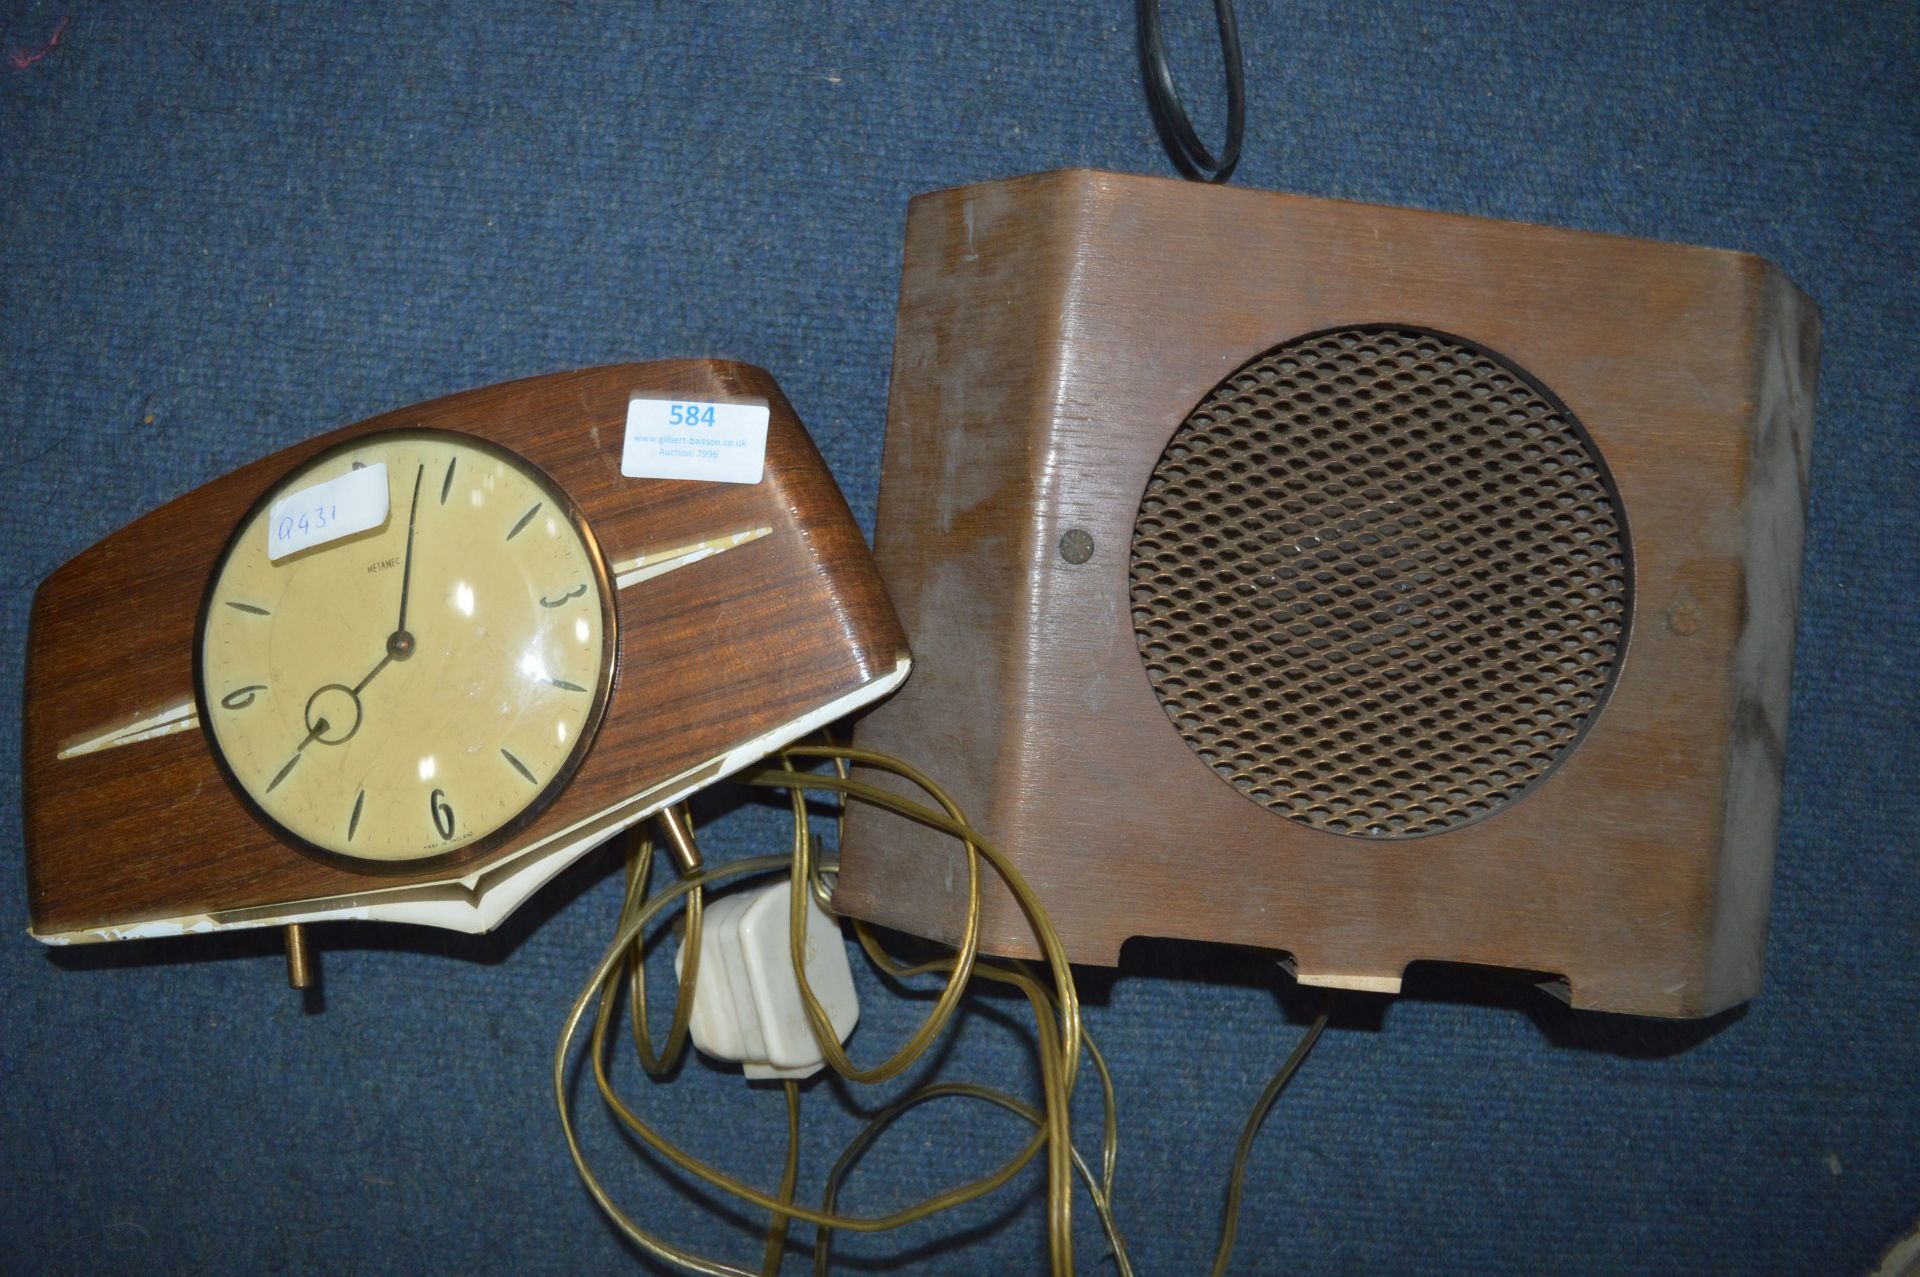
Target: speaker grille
(1380,581)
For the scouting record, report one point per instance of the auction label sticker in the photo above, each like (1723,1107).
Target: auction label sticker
(353,502)
(695,439)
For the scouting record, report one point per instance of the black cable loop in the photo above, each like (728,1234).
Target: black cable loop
(1190,155)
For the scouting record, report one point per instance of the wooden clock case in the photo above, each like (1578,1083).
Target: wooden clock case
(748,614)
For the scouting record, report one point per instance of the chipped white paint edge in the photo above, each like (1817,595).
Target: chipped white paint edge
(175,718)
(481,902)
(647,566)
(194,924)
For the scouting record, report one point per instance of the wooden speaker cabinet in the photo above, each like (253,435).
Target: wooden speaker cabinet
(1362,584)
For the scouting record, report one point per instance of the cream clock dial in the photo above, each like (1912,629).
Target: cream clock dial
(410,690)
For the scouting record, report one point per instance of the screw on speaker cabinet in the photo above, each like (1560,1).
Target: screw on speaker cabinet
(1433,594)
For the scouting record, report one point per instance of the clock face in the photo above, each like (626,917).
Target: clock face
(415,688)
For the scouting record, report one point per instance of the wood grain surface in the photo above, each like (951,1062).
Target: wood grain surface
(1055,330)
(710,657)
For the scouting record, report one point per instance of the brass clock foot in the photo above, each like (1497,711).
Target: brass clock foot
(299,958)
(680,845)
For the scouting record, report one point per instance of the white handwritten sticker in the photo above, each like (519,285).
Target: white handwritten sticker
(685,439)
(354,502)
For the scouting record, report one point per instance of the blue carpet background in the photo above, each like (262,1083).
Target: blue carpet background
(224,228)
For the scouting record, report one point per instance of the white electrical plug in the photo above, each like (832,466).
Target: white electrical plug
(746,1001)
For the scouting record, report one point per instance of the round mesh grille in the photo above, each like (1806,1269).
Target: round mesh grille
(1380,581)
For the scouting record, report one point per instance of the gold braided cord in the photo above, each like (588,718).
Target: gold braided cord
(789,1181)
(1048,988)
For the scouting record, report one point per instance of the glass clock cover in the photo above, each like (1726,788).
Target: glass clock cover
(417,688)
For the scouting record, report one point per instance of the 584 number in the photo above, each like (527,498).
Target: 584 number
(690,414)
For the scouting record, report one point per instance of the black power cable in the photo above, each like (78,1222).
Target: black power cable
(1190,155)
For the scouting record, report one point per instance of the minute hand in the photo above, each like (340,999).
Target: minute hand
(406,571)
